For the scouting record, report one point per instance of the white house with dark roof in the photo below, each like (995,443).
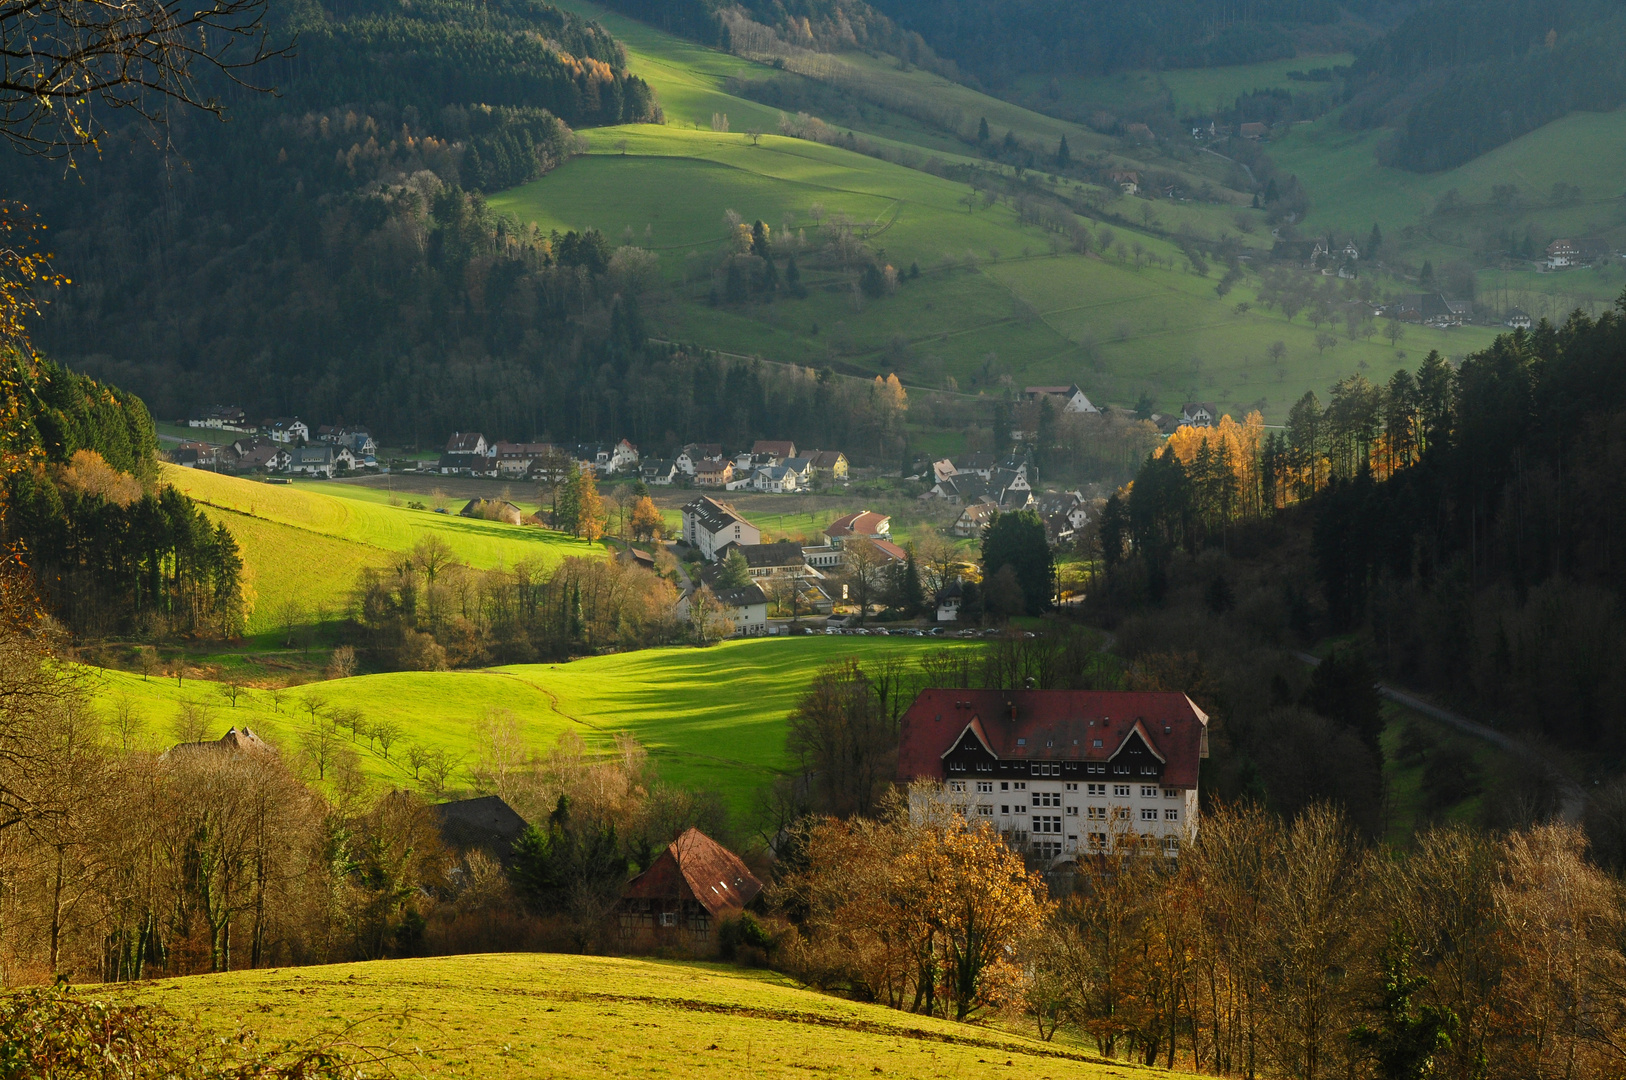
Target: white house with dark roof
(709,526)
(1072,399)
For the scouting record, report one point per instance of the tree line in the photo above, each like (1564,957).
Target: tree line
(1269,948)
(113,551)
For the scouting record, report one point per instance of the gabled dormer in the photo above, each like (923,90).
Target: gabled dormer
(970,754)
(1136,758)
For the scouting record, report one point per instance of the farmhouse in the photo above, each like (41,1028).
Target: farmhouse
(463,465)
(321,461)
(228,417)
(657,471)
(746,608)
(1063,773)
(830,463)
(713,472)
(689,459)
(516,459)
(1253,130)
(288,429)
(693,885)
(1516,319)
(974,518)
(487,824)
(1198,414)
(709,526)
(1073,400)
(772,451)
(777,479)
(467,442)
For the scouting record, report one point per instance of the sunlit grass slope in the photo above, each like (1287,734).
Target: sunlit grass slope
(712,718)
(992,298)
(301,542)
(506,1017)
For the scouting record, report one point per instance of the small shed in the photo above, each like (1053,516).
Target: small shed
(677,903)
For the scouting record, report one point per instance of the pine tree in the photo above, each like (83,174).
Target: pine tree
(567,505)
(982,130)
(1374,241)
(1064,156)
(911,595)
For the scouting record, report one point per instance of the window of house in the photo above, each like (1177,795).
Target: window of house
(1096,769)
(956,766)
(1096,743)
(1171,845)
(1148,814)
(1004,785)
(985,785)
(985,810)
(1044,769)
(1047,849)
(1072,811)
(1171,793)
(1148,792)
(982,766)
(1097,813)
(1005,808)
(956,785)
(1121,769)
(1072,787)
(1047,824)
(1021,808)
(1171,814)
(1019,785)
(1121,790)
(1098,839)
(1148,769)
(1047,798)
(1097,789)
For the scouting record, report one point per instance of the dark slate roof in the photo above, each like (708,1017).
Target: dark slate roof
(487,824)
(745,597)
(783,553)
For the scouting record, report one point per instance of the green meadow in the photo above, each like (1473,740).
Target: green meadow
(306,542)
(1192,91)
(711,718)
(993,300)
(513,1016)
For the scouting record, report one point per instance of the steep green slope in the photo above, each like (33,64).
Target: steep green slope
(712,718)
(502,1017)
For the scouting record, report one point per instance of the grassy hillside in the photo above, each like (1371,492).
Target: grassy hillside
(993,301)
(1587,151)
(306,542)
(1188,90)
(712,718)
(502,1017)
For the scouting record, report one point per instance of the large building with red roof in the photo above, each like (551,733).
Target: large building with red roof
(1063,773)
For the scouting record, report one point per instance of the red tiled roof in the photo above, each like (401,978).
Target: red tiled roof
(1053,725)
(863,523)
(696,867)
(891,550)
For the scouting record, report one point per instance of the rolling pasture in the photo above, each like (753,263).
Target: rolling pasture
(507,1016)
(710,718)
(994,298)
(306,542)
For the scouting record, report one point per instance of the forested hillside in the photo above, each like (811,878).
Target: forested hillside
(1459,78)
(111,549)
(327,249)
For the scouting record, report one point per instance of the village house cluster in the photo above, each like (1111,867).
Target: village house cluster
(284,444)
(796,577)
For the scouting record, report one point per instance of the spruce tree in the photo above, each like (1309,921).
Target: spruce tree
(1064,156)
(982,130)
